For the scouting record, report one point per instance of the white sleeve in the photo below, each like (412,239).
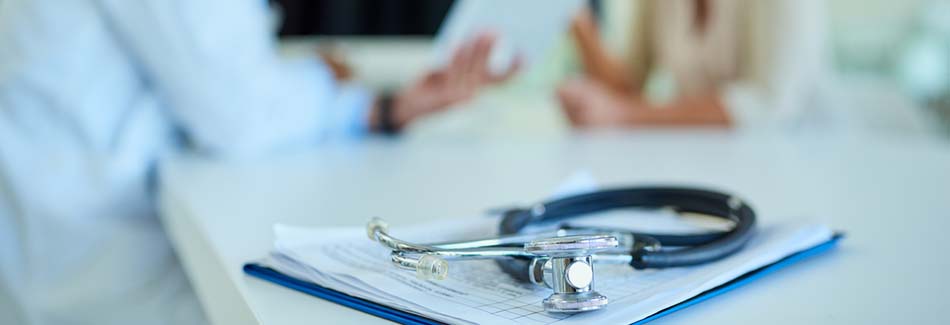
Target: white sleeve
(216,66)
(784,63)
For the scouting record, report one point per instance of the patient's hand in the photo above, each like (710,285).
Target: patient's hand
(589,103)
(458,81)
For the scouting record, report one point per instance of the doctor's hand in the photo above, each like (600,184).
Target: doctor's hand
(458,81)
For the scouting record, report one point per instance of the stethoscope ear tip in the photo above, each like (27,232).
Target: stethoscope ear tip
(375,225)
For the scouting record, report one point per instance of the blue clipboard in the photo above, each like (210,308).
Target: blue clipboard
(399,316)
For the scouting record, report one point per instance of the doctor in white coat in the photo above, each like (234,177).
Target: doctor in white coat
(93,92)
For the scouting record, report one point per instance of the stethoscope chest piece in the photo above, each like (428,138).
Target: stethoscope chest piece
(565,264)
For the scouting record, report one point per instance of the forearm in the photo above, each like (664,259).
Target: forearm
(387,115)
(598,64)
(223,82)
(707,110)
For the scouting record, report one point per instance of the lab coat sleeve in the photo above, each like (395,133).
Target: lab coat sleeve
(216,66)
(784,64)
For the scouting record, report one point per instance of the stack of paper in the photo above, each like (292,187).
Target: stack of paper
(345,260)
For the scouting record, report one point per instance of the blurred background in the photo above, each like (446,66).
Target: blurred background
(891,58)
(76,151)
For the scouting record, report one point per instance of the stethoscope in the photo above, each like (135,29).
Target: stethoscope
(563,260)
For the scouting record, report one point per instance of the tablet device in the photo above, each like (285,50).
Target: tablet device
(525,28)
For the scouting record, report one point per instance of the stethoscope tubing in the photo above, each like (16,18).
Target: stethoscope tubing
(694,248)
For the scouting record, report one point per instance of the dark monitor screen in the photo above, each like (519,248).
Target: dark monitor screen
(362,17)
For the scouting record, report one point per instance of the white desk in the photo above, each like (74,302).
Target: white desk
(891,196)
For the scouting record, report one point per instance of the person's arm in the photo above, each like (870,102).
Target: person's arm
(597,62)
(610,93)
(439,89)
(589,103)
(216,66)
(705,110)
(783,65)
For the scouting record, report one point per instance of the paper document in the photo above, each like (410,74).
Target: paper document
(526,28)
(345,260)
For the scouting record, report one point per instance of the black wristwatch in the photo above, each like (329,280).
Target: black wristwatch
(385,115)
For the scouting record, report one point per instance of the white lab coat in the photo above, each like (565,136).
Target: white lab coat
(92,94)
